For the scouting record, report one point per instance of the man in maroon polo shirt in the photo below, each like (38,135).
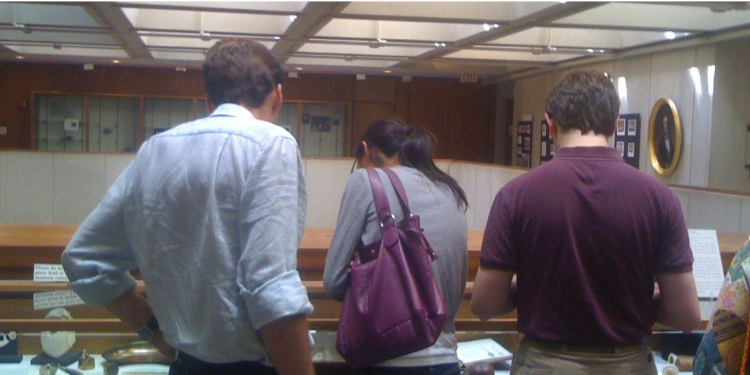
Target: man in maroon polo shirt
(587,235)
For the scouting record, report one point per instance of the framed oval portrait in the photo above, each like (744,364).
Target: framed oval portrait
(664,137)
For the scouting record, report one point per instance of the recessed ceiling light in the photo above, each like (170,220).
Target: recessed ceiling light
(276,37)
(382,40)
(19,57)
(488,27)
(590,50)
(292,17)
(181,69)
(670,35)
(115,61)
(387,72)
(299,68)
(439,44)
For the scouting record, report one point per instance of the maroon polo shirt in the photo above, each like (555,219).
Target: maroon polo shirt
(586,233)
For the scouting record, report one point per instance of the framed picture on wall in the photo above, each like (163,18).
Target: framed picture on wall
(664,136)
(621,126)
(629,140)
(320,123)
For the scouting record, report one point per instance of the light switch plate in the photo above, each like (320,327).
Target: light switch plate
(3,130)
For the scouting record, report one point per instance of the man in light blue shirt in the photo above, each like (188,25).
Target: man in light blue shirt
(211,213)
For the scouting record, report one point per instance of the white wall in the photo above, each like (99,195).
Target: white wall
(648,78)
(59,188)
(731,117)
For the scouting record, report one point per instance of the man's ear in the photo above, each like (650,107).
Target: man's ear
(210,104)
(278,101)
(552,124)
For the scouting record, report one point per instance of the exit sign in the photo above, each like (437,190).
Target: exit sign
(469,77)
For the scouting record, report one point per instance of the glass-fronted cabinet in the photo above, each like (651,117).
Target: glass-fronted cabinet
(107,123)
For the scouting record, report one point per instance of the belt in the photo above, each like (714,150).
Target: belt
(584,348)
(248,367)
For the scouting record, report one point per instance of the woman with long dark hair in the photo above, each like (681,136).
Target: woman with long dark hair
(440,203)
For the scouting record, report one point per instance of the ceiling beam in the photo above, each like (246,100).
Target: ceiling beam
(192,8)
(122,31)
(546,15)
(314,17)
(718,6)
(5,51)
(622,27)
(355,16)
(726,35)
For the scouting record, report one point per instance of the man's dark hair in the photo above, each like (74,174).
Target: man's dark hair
(240,71)
(584,100)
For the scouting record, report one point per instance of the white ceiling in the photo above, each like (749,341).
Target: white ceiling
(430,38)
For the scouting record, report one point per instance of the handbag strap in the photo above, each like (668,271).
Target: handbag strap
(400,192)
(382,207)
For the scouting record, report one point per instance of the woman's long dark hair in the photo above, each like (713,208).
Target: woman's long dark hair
(414,147)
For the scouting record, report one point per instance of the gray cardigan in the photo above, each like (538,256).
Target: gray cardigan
(444,223)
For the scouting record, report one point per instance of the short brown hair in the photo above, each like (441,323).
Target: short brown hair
(584,100)
(239,71)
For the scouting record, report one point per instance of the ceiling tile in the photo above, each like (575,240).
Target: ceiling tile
(322,61)
(580,38)
(46,14)
(383,50)
(190,21)
(510,56)
(68,51)
(397,30)
(498,11)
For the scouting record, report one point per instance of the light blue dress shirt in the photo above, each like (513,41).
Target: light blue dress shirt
(211,212)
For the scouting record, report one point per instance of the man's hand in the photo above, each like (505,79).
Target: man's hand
(287,343)
(135,311)
(163,347)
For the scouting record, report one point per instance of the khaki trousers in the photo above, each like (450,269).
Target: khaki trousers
(532,359)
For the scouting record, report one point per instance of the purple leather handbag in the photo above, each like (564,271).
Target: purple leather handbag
(393,304)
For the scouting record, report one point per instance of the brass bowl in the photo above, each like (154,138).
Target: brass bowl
(137,352)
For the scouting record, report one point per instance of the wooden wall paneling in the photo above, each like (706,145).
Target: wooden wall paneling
(140,127)
(424,101)
(428,107)
(375,89)
(364,115)
(469,122)
(33,126)
(319,87)
(401,93)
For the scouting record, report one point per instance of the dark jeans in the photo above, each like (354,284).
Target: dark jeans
(446,369)
(188,365)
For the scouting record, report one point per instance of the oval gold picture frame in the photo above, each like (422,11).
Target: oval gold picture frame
(654,154)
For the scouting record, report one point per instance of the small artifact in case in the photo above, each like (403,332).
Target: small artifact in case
(86,362)
(9,348)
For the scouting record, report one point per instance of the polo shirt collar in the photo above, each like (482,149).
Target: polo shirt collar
(598,152)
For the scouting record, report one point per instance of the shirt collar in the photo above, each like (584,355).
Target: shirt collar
(598,152)
(232,110)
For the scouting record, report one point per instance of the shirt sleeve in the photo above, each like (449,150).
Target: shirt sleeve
(673,254)
(349,227)
(272,220)
(498,248)
(98,258)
